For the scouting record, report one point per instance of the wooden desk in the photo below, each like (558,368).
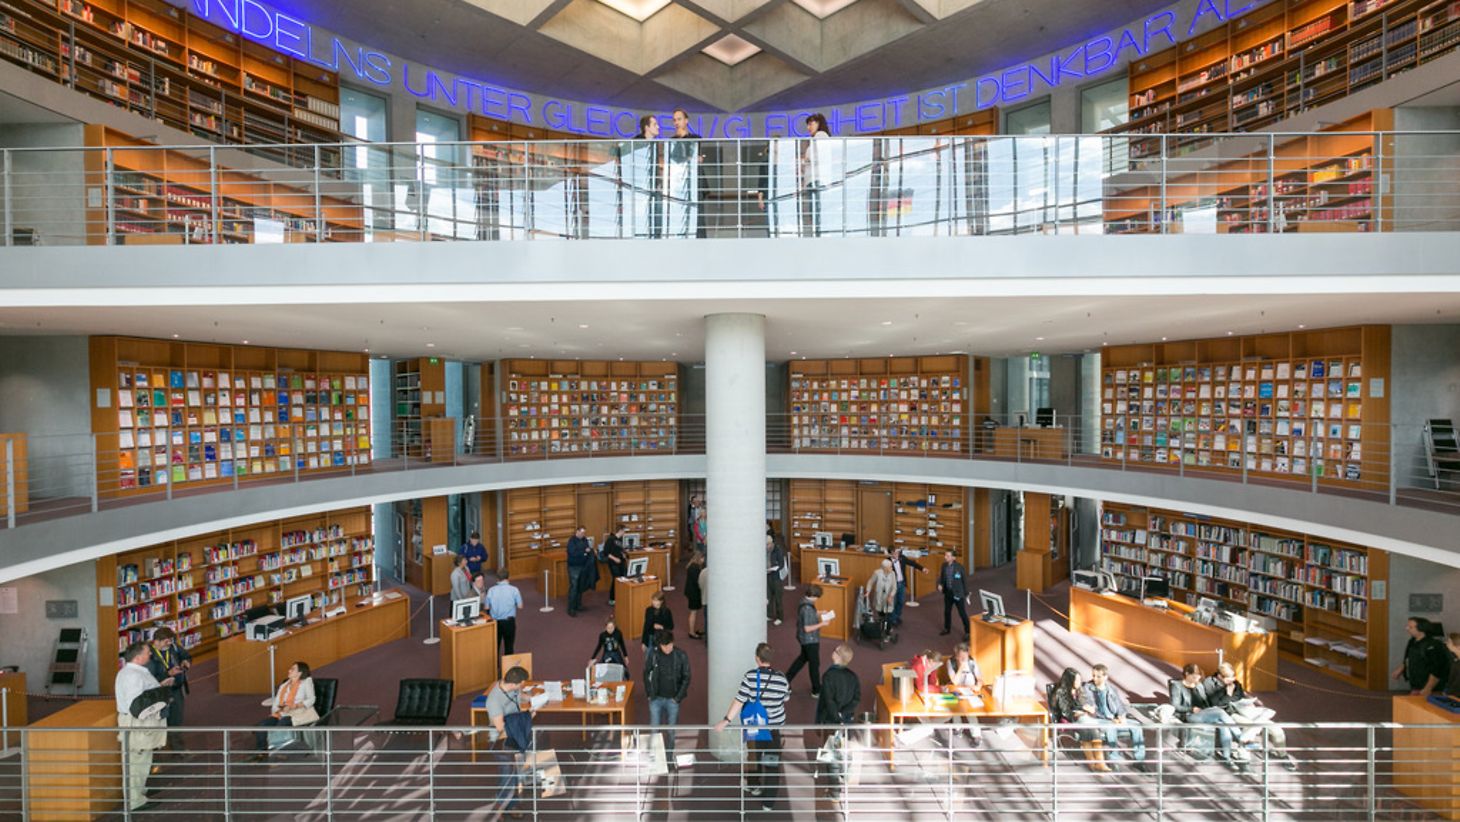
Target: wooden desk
(15,703)
(614,709)
(658,563)
(1425,758)
(555,563)
(891,711)
(998,647)
(632,599)
(469,655)
(836,596)
(22,474)
(1170,637)
(76,774)
(1031,443)
(243,665)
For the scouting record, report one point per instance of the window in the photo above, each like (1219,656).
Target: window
(1104,106)
(1038,383)
(440,190)
(363,116)
(1030,120)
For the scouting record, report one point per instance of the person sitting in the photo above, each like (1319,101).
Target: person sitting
(293,705)
(1107,705)
(1067,706)
(611,649)
(925,671)
(1225,692)
(1189,704)
(963,675)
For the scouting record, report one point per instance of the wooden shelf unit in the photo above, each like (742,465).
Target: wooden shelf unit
(200,586)
(418,391)
(1280,59)
(1321,594)
(896,404)
(154,59)
(17,443)
(166,197)
(541,519)
(1283,404)
(589,406)
(984,122)
(200,414)
(832,506)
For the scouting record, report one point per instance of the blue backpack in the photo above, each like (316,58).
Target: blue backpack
(753,714)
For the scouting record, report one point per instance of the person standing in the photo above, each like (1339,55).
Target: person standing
(775,561)
(475,553)
(504,699)
(953,582)
(694,593)
(461,577)
(646,173)
(762,689)
(503,602)
(169,660)
(580,555)
(811,176)
(882,594)
(616,558)
(666,682)
(1426,665)
(684,182)
(657,617)
(901,562)
(841,692)
(808,636)
(132,681)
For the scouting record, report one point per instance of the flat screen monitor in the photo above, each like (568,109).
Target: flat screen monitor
(632,542)
(823,540)
(259,612)
(993,605)
(608,672)
(466,610)
(638,566)
(1044,417)
(828,567)
(297,608)
(1089,580)
(1155,588)
(848,540)
(1207,604)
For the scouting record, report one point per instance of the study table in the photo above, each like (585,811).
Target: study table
(894,712)
(243,664)
(616,711)
(1168,635)
(1425,759)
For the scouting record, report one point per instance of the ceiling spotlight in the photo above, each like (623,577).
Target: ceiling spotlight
(1229,333)
(174,336)
(245,342)
(1300,325)
(793,353)
(887,322)
(1039,339)
(1163,339)
(430,345)
(582,325)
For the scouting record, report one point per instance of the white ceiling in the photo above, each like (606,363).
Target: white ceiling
(674,329)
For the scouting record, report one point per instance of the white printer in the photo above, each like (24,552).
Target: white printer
(265,627)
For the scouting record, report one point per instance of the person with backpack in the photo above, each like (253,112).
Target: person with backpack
(808,635)
(760,705)
(666,683)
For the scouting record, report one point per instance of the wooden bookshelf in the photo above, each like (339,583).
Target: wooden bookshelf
(155,59)
(196,414)
(1325,598)
(17,443)
(201,586)
(896,404)
(923,517)
(418,389)
(589,406)
(984,122)
(1287,405)
(541,519)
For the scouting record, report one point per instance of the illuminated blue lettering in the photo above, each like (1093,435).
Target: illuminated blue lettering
(228,11)
(1235,12)
(775,125)
(869,117)
(1052,79)
(377,68)
(982,101)
(1010,82)
(1168,18)
(435,81)
(618,127)
(555,115)
(519,102)
(952,92)
(355,61)
(1202,8)
(931,106)
(1127,40)
(298,34)
(896,106)
(798,124)
(406,81)
(597,121)
(1106,60)
(737,126)
(494,102)
(260,13)
(1065,66)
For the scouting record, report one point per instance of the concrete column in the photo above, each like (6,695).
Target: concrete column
(735,496)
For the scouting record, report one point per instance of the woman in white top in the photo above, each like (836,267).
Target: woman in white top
(962,670)
(293,704)
(810,170)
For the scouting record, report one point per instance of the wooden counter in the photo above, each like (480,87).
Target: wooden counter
(75,774)
(555,563)
(998,647)
(1029,443)
(1170,637)
(15,704)
(22,475)
(658,564)
(836,596)
(858,566)
(629,606)
(469,655)
(243,665)
(1425,759)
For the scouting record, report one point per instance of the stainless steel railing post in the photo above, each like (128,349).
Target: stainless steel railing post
(318,208)
(95,458)
(430,773)
(9,216)
(1370,777)
(227,774)
(110,205)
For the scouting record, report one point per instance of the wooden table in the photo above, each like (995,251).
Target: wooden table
(1170,637)
(621,710)
(836,595)
(1030,443)
(243,665)
(1425,759)
(632,599)
(75,774)
(15,705)
(469,655)
(998,647)
(891,711)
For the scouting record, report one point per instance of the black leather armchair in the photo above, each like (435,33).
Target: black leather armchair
(423,702)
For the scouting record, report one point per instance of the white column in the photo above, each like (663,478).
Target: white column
(735,496)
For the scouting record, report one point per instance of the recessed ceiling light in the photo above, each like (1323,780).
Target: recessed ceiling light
(731,50)
(823,8)
(1229,333)
(1039,339)
(245,342)
(1163,339)
(582,325)
(887,322)
(366,350)
(639,10)
(1300,325)
(174,336)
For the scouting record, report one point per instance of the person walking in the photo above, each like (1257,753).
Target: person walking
(694,593)
(808,636)
(503,602)
(882,594)
(616,559)
(953,582)
(841,691)
(666,683)
(775,562)
(761,698)
(901,565)
(580,556)
(141,734)
(657,617)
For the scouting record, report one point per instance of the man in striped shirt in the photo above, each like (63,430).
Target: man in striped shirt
(769,687)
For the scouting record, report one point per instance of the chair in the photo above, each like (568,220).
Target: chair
(1442,453)
(423,702)
(524,661)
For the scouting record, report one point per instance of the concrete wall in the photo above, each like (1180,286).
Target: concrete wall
(45,185)
(382,409)
(1089,431)
(46,387)
(30,636)
(1408,575)
(1426,168)
(1425,377)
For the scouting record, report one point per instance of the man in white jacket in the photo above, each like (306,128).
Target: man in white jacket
(142,734)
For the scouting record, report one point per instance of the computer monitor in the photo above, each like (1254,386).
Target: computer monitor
(1155,588)
(1089,580)
(828,567)
(823,540)
(848,540)
(1108,582)
(296,609)
(993,605)
(1044,417)
(466,610)
(632,542)
(1207,604)
(608,672)
(638,566)
(259,612)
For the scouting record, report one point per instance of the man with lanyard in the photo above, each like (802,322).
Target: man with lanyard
(953,582)
(503,600)
(900,563)
(475,553)
(169,661)
(504,699)
(133,680)
(580,554)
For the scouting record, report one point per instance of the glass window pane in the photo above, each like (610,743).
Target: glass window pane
(362,115)
(1104,106)
(1033,119)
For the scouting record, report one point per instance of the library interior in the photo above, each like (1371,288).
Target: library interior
(1108,353)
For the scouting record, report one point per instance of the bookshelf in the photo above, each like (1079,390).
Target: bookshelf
(154,59)
(418,394)
(976,124)
(542,518)
(1280,59)
(17,445)
(201,586)
(195,414)
(588,406)
(898,404)
(1288,405)
(1327,599)
(924,517)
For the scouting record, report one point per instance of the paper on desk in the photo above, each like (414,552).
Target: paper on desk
(538,700)
(552,691)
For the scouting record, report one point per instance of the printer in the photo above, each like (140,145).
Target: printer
(265,627)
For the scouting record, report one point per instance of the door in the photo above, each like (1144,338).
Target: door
(874,514)
(595,512)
